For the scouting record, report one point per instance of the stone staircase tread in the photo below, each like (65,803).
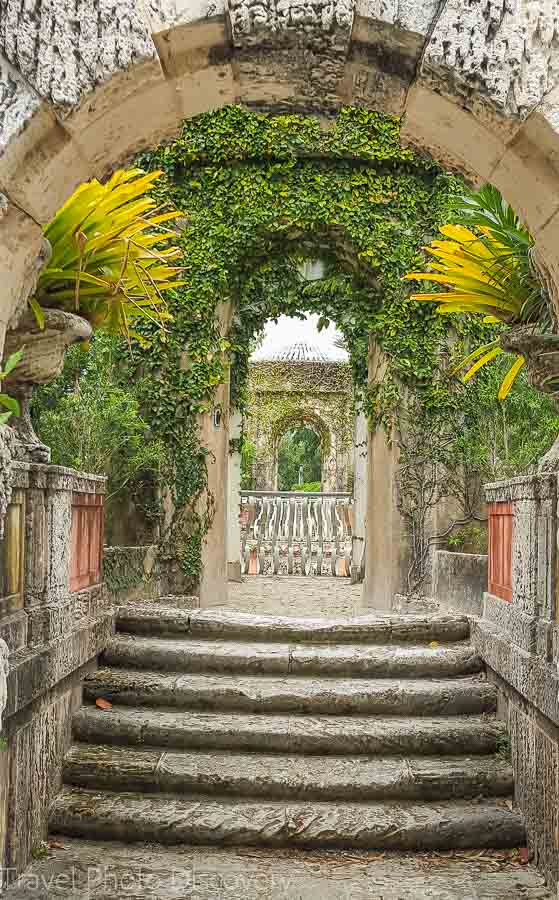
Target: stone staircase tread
(227,624)
(168,819)
(289,733)
(152,872)
(293,693)
(192,655)
(354,778)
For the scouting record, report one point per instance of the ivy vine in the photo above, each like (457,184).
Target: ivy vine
(259,195)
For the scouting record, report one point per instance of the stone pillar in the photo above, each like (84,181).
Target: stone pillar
(233,524)
(3,678)
(360,479)
(214,436)
(387,548)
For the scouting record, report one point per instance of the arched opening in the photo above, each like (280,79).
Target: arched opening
(299,455)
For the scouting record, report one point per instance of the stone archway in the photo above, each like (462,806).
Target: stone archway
(301,385)
(478,86)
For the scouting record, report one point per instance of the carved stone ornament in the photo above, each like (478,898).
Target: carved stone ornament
(43,358)
(541,352)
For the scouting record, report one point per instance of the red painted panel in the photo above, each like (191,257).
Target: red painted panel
(87,541)
(500,550)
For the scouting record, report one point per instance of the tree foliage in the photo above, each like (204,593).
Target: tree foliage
(90,417)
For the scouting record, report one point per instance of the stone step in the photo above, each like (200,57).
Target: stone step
(357,660)
(168,819)
(279,776)
(233,625)
(272,694)
(288,734)
(153,872)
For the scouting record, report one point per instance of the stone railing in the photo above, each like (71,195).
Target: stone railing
(296,533)
(518,638)
(54,621)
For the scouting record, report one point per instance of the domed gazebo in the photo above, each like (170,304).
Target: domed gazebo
(301,384)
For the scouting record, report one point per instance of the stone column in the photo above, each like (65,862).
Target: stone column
(214,435)
(387,547)
(360,480)
(233,525)
(3,678)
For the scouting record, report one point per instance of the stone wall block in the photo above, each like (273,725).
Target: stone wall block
(536,769)
(59,544)
(525,556)
(36,546)
(291,56)
(386,47)
(546,575)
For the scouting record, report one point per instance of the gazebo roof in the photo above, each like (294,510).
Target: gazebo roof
(300,351)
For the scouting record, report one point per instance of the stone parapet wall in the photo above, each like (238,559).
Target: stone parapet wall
(459,581)
(519,642)
(53,635)
(138,573)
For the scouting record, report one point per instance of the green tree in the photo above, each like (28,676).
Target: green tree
(90,418)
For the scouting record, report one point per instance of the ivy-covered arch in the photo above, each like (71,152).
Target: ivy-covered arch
(283,394)
(260,194)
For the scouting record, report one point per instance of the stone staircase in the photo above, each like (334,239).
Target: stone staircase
(232,729)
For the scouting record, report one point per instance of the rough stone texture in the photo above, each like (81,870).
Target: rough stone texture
(291,55)
(460,581)
(502,52)
(306,596)
(145,872)
(64,50)
(172,820)
(288,734)
(277,776)
(372,629)
(272,694)
(273,658)
(53,636)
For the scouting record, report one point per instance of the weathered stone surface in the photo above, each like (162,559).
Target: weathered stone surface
(148,872)
(502,53)
(372,629)
(290,55)
(535,679)
(281,733)
(279,776)
(395,661)
(145,618)
(170,820)
(64,50)
(459,581)
(274,694)
(398,661)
